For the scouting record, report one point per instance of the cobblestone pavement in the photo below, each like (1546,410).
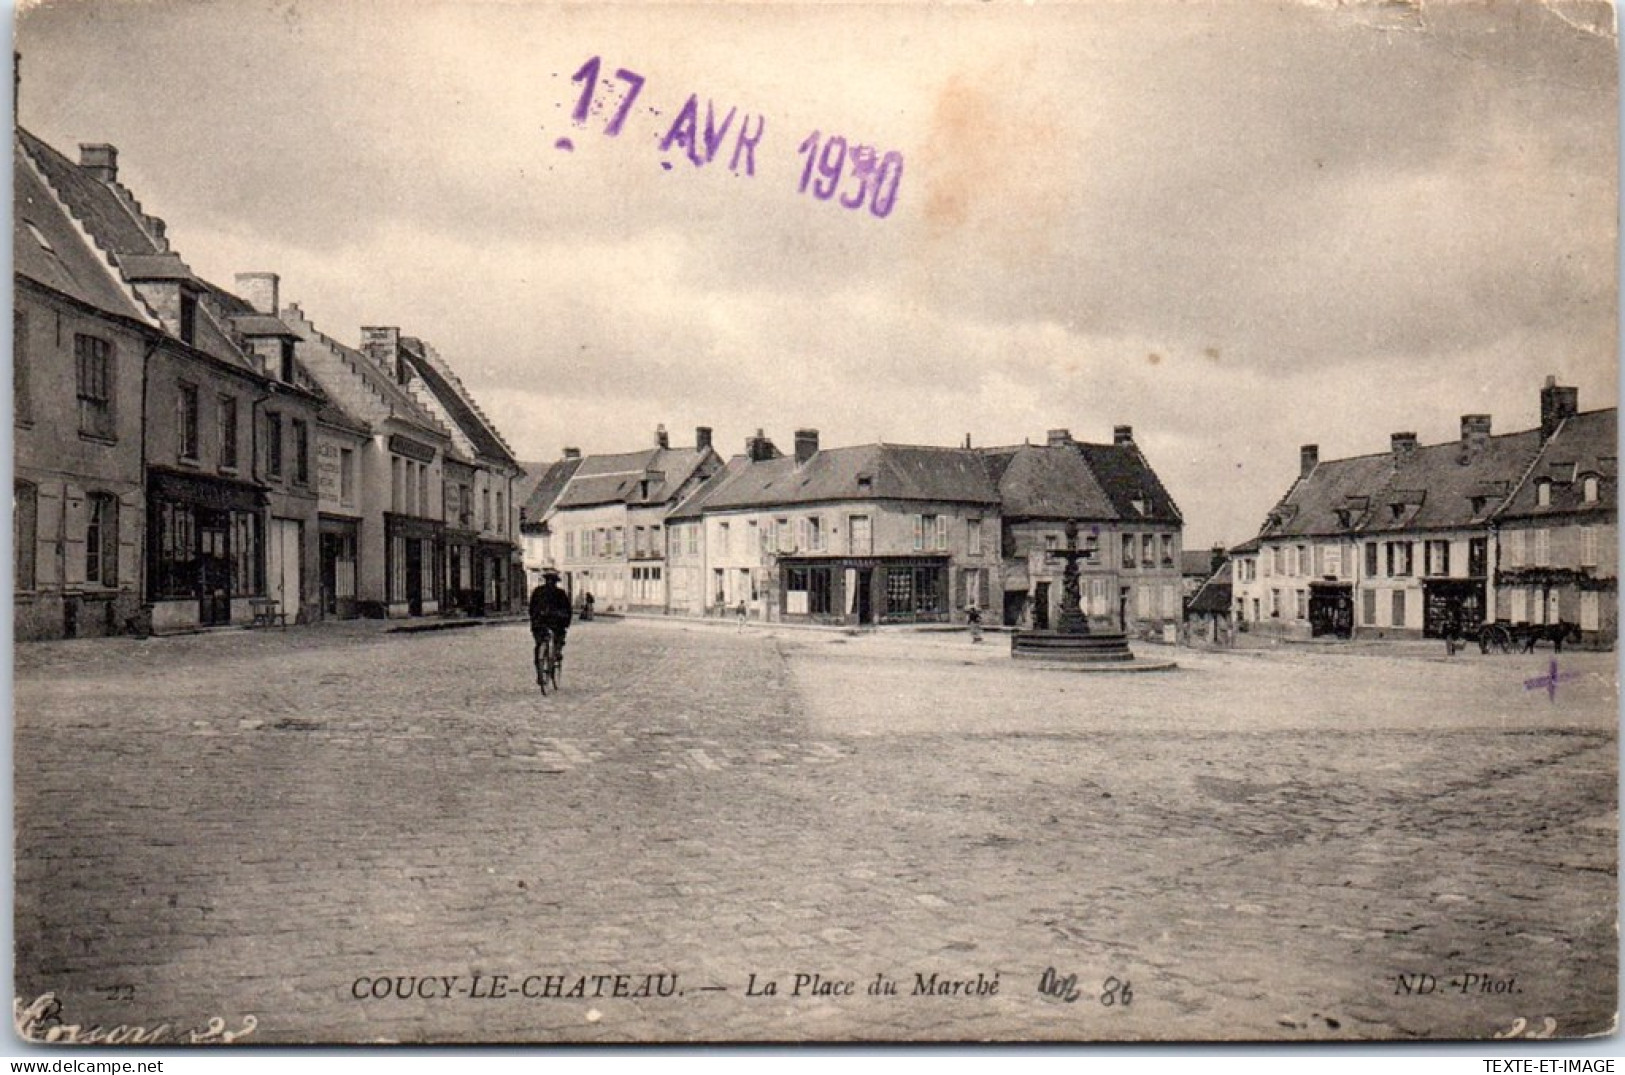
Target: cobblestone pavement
(1259,844)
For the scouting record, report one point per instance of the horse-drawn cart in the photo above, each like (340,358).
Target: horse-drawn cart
(1503,636)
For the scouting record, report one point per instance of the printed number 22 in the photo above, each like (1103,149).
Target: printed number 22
(588,76)
(877,184)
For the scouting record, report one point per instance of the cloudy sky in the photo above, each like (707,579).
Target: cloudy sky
(1237,227)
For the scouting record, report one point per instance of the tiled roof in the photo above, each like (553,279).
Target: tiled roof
(1044,482)
(546,481)
(1216,593)
(620,478)
(1445,486)
(1125,477)
(375,387)
(697,501)
(49,250)
(864,472)
(1586,444)
(1196,562)
(1312,504)
(112,224)
(1247,548)
(455,397)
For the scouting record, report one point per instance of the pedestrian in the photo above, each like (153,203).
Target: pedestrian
(740,613)
(973,617)
(586,606)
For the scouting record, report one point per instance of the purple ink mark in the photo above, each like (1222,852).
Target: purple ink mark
(666,165)
(1549,681)
(877,182)
(564,144)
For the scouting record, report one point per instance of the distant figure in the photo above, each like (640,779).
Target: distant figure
(740,613)
(586,606)
(973,617)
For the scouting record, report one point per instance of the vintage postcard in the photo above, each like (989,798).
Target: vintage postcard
(815,522)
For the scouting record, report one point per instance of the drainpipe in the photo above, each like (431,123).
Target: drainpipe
(144,567)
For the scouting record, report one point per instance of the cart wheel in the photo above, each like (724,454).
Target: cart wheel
(1500,639)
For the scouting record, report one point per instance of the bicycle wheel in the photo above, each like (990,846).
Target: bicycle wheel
(555,661)
(543,655)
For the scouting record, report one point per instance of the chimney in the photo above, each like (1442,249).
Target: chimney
(1122,435)
(1059,438)
(572,453)
(383,346)
(1308,456)
(1556,404)
(100,160)
(967,442)
(702,438)
(806,445)
(661,440)
(1475,434)
(1403,446)
(260,289)
(1215,557)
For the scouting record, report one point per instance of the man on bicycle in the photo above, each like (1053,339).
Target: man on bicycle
(550,610)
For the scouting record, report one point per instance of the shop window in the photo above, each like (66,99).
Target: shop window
(24,533)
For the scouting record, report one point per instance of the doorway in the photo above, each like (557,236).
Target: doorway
(214,567)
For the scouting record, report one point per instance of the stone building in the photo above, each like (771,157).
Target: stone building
(1127,520)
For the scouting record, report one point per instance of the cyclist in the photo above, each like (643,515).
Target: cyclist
(550,610)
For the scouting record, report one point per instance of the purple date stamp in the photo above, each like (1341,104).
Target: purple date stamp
(854,175)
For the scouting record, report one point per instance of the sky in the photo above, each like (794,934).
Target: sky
(1237,227)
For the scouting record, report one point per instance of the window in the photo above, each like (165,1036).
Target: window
(287,361)
(1543,493)
(1543,548)
(693,538)
(188,317)
(1478,557)
(859,537)
(569,544)
(93,361)
(101,539)
(22,408)
(1514,548)
(24,532)
(273,446)
(1588,546)
(228,432)
(1369,605)
(246,577)
(1167,550)
(1303,566)
(1399,559)
(923,525)
(1332,556)
(485,509)
(1399,608)
(807,590)
(1438,558)
(1053,542)
(346,475)
(1588,489)
(973,536)
(724,539)
(942,532)
(1275,603)
(1371,561)
(815,533)
(1302,611)
(301,452)
(186,431)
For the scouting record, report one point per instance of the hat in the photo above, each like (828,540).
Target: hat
(551,573)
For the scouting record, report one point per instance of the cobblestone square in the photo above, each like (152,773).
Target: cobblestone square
(723,834)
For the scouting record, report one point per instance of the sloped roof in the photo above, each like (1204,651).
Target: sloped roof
(545,481)
(49,250)
(619,478)
(1311,504)
(1586,444)
(893,472)
(1438,485)
(1216,593)
(1196,563)
(454,396)
(1044,482)
(698,500)
(379,386)
(1124,475)
(111,224)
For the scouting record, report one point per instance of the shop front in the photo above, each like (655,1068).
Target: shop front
(1448,605)
(1331,609)
(205,549)
(412,553)
(340,538)
(862,591)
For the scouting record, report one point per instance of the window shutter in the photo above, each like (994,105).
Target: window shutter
(76,519)
(1588,546)
(919,531)
(942,531)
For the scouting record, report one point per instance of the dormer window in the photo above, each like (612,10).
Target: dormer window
(1478,505)
(1543,493)
(1588,488)
(1343,519)
(866,483)
(1395,511)
(287,361)
(1139,504)
(188,317)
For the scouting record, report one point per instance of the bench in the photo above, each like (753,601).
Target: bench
(267,611)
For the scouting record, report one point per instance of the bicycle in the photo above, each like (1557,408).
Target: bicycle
(546,656)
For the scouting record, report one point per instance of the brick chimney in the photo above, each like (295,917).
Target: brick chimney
(1215,557)
(261,290)
(1308,457)
(661,440)
(382,344)
(702,437)
(100,160)
(1475,434)
(759,448)
(572,453)
(1403,446)
(806,445)
(1122,435)
(1058,438)
(1556,404)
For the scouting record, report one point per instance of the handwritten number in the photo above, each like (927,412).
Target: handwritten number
(808,146)
(635,80)
(1115,992)
(589,73)
(829,168)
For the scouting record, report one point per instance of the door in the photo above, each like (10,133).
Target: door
(214,567)
(414,577)
(866,597)
(284,566)
(1041,607)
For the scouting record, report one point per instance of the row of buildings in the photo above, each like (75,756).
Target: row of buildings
(866,534)
(188,455)
(1421,540)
